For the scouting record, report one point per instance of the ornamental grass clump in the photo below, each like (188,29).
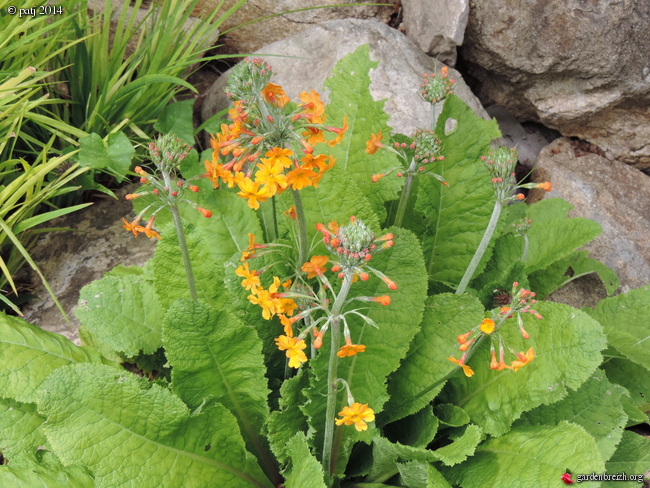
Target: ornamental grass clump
(325,346)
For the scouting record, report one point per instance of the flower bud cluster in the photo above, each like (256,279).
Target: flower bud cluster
(521,302)
(435,88)
(500,163)
(269,146)
(167,154)
(354,244)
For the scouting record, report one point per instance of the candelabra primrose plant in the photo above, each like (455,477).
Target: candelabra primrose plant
(345,309)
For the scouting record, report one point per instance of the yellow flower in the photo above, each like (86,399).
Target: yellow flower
(279,155)
(251,280)
(253,193)
(263,298)
(270,173)
(487,326)
(315,266)
(356,414)
(466,369)
(523,359)
(294,348)
(350,350)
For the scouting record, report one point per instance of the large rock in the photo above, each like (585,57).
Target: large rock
(251,37)
(70,260)
(311,55)
(581,67)
(615,195)
(437,27)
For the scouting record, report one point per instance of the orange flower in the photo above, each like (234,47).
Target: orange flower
(545,186)
(263,298)
(311,103)
(314,162)
(214,171)
(148,231)
(356,414)
(350,350)
(291,213)
(383,299)
(280,155)
(487,326)
(315,266)
(294,348)
(523,359)
(251,190)
(132,226)
(374,143)
(466,369)
(339,133)
(299,178)
(274,94)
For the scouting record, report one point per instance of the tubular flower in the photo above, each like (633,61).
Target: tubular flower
(315,266)
(350,350)
(460,362)
(374,143)
(294,350)
(522,359)
(545,186)
(148,231)
(339,133)
(487,326)
(356,414)
(275,94)
(383,299)
(132,226)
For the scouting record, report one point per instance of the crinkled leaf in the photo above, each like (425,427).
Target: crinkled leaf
(47,472)
(555,276)
(458,214)
(631,458)
(28,354)
(567,345)
(213,355)
(20,430)
(637,382)
(366,372)
(462,447)
(596,406)
(284,423)
(417,474)
(350,96)
(625,319)
(306,471)
(530,456)
(421,375)
(130,432)
(122,312)
(113,155)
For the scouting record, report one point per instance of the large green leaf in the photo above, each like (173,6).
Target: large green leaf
(177,118)
(418,429)
(213,355)
(112,155)
(306,471)
(530,456)
(130,432)
(415,474)
(567,345)
(20,430)
(122,312)
(596,406)
(631,458)
(456,215)
(48,473)
(284,423)
(211,243)
(625,319)
(350,96)
(422,373)
(366,372)
(28,354)
(637,382)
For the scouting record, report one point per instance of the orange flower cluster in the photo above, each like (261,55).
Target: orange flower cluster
(268,147)
(520,303)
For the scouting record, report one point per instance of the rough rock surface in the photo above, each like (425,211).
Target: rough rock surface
(397,78)
(437,27)
(580,67)
(615,195)
(250,38)
(72,259)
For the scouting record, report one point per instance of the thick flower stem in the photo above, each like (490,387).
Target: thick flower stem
(332,377)
(180,234)
(482,247)
(303,245)
(404,197)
